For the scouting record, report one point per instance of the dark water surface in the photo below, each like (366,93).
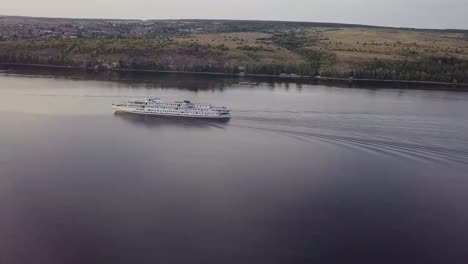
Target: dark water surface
(301,174)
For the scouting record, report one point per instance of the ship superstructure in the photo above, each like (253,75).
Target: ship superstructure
(155,106)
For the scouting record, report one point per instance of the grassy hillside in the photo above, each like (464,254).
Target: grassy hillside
(264,48)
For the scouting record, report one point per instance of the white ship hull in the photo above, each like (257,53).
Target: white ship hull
(186,109)
(137,112)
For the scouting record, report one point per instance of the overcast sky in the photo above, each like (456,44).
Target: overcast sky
(400,13)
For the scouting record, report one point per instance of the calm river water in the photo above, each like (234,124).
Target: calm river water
(300,174)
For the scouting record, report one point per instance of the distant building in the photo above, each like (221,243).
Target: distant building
(241,70)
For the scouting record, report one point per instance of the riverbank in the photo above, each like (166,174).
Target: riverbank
(295,79)
(366,54)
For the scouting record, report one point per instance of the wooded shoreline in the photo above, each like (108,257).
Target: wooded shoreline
(404,84)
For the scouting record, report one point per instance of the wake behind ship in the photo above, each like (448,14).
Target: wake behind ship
(155,106)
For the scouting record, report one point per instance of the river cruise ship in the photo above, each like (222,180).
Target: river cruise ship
(157,107)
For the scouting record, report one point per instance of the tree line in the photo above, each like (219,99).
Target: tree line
(423,69)
(440,69)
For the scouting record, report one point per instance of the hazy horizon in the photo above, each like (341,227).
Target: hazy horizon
(415,14)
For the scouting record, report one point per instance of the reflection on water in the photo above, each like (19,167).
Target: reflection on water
(176,122)
(300,174)
(187,81)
